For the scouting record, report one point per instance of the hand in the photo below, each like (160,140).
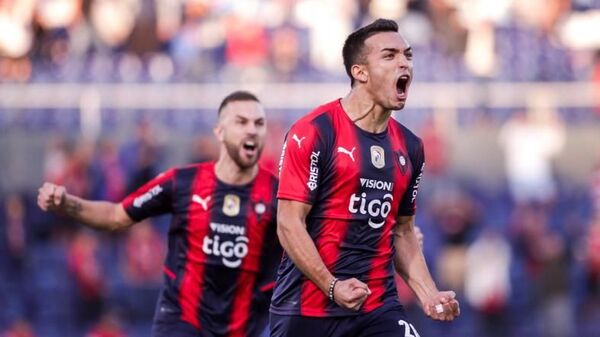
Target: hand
(442,307)
(52,197)
(350,294)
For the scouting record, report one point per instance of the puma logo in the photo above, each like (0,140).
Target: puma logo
(299,141)
(203,202)
(349,153)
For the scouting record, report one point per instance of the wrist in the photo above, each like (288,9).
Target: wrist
(331,289)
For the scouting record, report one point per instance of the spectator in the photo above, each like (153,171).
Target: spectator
(487,281)
(144,255)
(530,141)
(20,328)
(86,270)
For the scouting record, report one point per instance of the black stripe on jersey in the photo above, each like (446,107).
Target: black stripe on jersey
(390,163)
(177,240)
(217,304)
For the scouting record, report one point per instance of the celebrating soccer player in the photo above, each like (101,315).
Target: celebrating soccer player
(222,236)
(349,176)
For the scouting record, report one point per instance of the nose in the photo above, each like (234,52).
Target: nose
(251,129)
(404,62)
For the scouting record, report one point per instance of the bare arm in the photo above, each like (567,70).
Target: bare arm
(101,215)
(299,246)
(410,264)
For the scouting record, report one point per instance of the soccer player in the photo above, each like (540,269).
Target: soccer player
(349,176)
(222,238)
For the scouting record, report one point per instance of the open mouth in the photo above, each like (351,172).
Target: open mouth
(249,145)
(402,84)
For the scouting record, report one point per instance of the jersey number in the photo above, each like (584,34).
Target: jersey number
(409,329)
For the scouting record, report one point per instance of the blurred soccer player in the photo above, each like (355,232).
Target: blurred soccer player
(349,176)
(222,238)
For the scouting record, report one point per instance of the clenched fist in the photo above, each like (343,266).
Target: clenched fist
(351,294)
(442,307)
(52,197)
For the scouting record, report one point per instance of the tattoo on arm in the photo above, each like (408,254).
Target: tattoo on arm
(73,207)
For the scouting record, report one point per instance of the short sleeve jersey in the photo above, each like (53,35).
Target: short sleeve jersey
(357,183)
(222,244)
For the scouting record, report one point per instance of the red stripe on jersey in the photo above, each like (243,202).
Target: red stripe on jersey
(256,233)
(380,268)
(332,232)
(169,273)
(198,224)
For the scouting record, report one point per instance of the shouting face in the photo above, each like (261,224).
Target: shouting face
(241,129)
(387,70)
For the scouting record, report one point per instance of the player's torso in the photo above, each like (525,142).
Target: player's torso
(217,244)
(223,224)
(364,178)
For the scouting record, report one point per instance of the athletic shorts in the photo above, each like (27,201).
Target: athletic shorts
(387,321)
(168,323)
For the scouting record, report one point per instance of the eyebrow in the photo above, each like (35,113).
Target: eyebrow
(396,50)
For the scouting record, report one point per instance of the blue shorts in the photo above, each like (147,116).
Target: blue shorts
(387,321)
(168,323)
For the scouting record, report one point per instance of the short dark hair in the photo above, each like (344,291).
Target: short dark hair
(355,43)
(235,96)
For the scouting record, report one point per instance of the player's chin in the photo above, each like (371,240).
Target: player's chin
(248,160)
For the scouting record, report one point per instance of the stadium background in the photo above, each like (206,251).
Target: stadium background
(101,95)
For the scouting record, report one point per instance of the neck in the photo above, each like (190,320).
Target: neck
(364,112)
(231,173)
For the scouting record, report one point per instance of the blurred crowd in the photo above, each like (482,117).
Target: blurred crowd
(291,40)
(524,257)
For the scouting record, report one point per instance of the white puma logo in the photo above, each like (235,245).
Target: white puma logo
(203,202)
(349,153)
(299,141)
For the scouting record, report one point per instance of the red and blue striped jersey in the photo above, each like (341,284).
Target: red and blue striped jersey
(222,244)
(357,183)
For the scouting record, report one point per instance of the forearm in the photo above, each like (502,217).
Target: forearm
(299,246)
(410,264)
(100,215)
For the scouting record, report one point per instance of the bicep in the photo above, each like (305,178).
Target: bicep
(291,211)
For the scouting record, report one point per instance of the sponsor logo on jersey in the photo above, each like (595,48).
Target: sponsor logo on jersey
(415,190)
(298,140)
(377,209)
(142,199)
(377,156)
(377,184)
(403,162)
(260,208)
(222,228)
(220,242)
(313,176)
(232,251)
(349,153)
(201,201)
(281,157)
(231,205)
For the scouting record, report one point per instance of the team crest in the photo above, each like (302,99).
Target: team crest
(403,163)
(231,205)
(260,208)
(377,156)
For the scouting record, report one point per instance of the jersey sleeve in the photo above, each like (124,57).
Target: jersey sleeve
(153,198)
(408,204)
(300,166)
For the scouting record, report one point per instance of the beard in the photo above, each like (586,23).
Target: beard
(234,150)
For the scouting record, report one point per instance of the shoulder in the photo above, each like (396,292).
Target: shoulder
(267,175)
(319,115)
(184,170)
(412,141)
